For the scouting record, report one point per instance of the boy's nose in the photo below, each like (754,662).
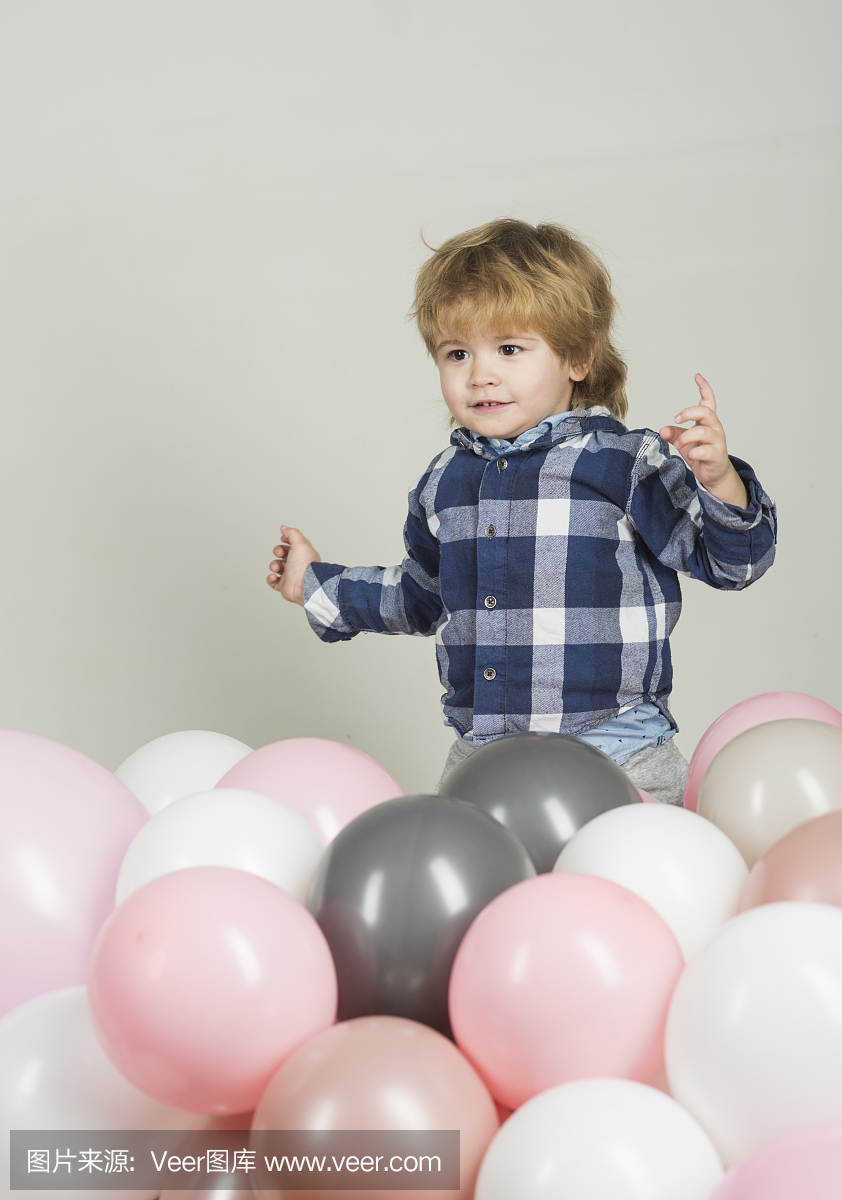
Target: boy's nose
(483,373)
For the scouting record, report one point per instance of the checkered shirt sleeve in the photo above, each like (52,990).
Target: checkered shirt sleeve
(341,602)
(693,532)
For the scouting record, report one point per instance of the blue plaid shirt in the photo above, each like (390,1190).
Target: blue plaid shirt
(547,570)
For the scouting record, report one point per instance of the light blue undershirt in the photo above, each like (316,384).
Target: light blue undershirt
(644,725)
(623,735)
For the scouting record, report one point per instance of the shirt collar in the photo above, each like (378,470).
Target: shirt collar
(545,431)
(523,439)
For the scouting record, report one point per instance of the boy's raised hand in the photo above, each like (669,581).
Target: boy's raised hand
(704,450)
(292,558)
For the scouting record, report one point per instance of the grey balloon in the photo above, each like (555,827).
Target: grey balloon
(394,894)
(542,786)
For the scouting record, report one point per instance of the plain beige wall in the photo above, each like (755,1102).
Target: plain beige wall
(210,218)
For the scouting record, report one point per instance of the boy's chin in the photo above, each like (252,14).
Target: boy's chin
(496,426)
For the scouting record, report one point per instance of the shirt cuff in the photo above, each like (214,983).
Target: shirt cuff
(731,516)
(321,602)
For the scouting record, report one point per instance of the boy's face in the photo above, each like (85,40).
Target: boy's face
(500,386)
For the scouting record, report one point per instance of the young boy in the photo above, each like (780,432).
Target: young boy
(544,546)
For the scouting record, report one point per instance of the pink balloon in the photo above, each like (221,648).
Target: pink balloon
(65,825)
(203,981)
(770,706)
(804,864)
(563,977)
(327,783)
(381,1073)
(803,1164)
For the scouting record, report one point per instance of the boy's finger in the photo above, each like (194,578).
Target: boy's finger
(698,436)
(280,551)
(697,412)
(701,452)
(708,398)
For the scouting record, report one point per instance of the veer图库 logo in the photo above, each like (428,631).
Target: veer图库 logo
(96,1159)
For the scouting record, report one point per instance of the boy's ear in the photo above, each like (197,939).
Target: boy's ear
(579,371)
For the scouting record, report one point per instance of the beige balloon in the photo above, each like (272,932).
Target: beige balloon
(770,779)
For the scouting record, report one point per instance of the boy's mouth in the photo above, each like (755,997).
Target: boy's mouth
(492,404)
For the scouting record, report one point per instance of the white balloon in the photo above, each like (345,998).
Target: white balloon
(179,764)
(224,827)
(686,868)
(754,1031)
(55,1075)
(599,1139)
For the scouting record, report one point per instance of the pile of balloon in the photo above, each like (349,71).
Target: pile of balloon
(608,997)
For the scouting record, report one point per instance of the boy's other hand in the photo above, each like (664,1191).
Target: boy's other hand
(292,558)
(704,450)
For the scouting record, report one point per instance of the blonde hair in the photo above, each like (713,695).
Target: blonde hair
(512,277)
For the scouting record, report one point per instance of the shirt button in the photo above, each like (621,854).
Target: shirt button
(502,463)
(490,602)
(490,673)
(490,531)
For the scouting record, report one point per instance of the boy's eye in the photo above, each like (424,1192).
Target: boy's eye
(452,352)
(503,350)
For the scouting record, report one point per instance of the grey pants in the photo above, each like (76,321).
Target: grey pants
(658,770)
